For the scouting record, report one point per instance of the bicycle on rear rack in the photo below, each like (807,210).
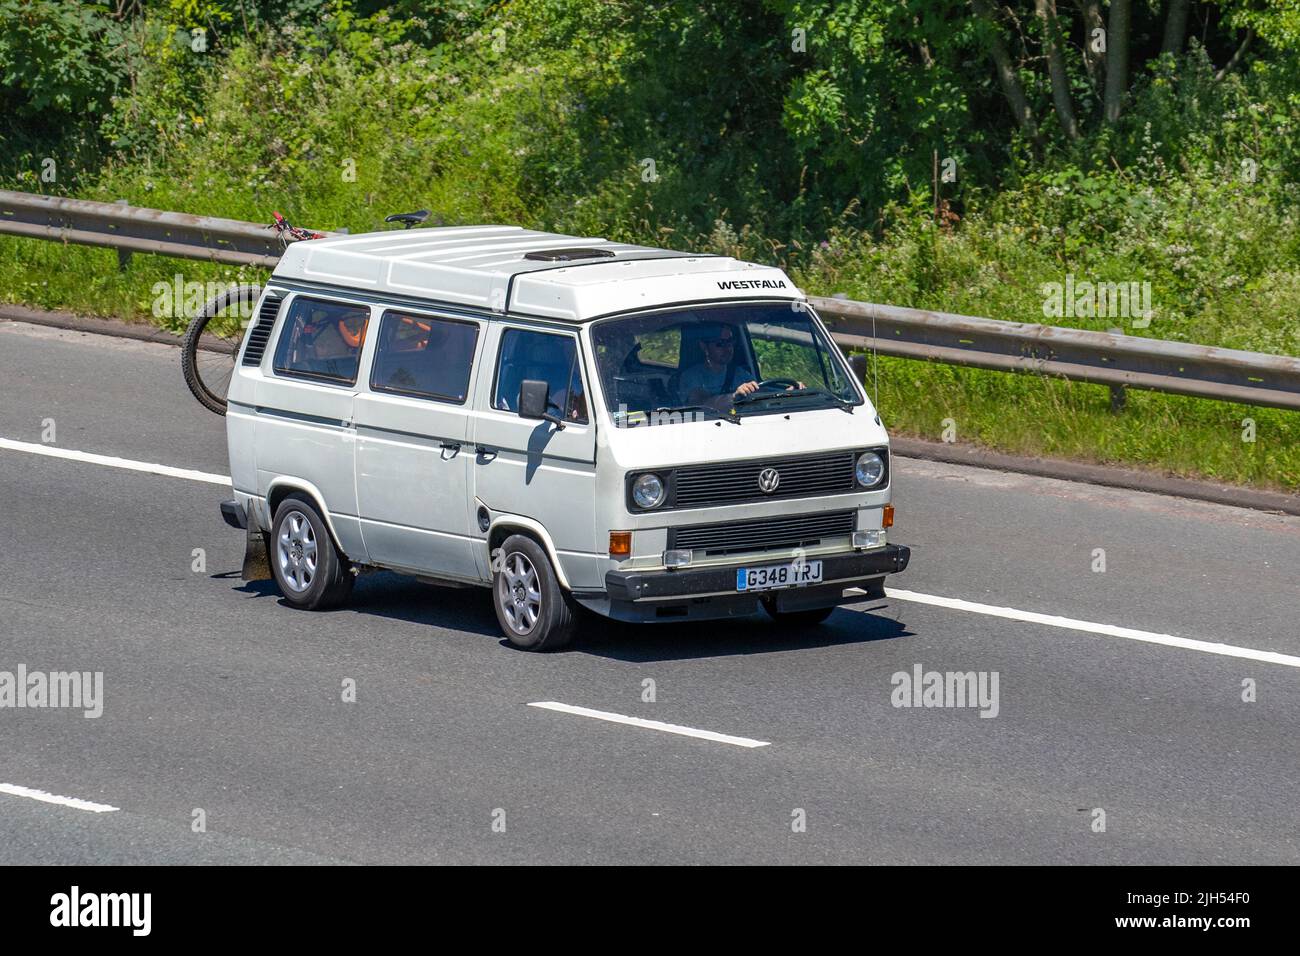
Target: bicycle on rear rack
(212,343)
(214,335)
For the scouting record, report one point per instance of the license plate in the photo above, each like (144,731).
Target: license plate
(778,576)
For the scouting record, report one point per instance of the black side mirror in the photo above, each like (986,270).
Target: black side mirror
(534,397)
(858,362)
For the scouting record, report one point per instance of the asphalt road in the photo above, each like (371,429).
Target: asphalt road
(220,698)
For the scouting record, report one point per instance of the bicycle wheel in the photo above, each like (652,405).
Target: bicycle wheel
(212,344)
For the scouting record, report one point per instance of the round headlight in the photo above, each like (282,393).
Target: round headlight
(648,491)
(870,469)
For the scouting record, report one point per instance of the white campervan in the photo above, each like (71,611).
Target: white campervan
(651,435)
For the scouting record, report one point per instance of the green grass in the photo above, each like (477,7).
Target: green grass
(552,135)
(1034,415)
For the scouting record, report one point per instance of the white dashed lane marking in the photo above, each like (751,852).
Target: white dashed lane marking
(77,804)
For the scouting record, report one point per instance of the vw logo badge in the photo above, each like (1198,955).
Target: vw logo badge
(768,480)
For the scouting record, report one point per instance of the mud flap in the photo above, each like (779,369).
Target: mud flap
(257,560)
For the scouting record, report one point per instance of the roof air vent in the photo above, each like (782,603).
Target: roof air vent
(568,255)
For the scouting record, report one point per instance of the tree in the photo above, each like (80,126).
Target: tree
(1176,26)
(1046,10)
(1117,37)
(1006,69)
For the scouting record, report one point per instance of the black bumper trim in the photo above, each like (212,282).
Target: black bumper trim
(651,585)
(233,514)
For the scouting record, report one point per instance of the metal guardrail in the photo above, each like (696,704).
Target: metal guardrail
(137,229)
(1103,358)
(1080,355)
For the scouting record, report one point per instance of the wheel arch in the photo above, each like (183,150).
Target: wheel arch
(282,487)
(503,526)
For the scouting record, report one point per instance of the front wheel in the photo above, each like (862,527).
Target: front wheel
(534,612)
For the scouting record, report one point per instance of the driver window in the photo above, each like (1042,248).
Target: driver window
(546,357)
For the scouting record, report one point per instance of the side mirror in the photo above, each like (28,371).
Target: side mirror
(858,362)
(534,397)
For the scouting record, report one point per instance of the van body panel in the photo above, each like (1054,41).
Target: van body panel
(757,436)
(305,428)
(615,287)
(241,426)
(531,466)
(412,474)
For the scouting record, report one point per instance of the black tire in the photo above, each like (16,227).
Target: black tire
(810,618)
(297,533)
(208,356)
(534,612)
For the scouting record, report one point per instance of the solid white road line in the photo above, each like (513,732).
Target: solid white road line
(53,451)
(44,797)
(956,604)
(649,724)
(1110,630)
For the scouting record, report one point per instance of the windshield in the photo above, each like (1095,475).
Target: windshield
(717,361)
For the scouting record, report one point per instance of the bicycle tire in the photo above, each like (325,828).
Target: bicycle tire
(209,378)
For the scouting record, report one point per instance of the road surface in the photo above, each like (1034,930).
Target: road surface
(222,704)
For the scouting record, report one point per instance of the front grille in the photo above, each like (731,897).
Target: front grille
(261,333)
(762,534)
(806,476)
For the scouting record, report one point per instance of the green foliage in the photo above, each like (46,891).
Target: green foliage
(801,132)
(57,57)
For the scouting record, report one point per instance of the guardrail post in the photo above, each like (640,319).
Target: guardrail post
(1118,397)
(123,255)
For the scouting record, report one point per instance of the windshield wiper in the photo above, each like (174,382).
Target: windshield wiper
(666,409)
(796,393)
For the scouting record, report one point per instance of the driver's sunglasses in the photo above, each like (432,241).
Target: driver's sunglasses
(725,343)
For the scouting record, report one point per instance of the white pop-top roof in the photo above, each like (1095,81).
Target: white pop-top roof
(484,266)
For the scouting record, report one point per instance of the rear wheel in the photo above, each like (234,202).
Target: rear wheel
(309,570)
(534,612)
(809,618)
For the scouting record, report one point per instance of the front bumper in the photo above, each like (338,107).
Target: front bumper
(710,593)
(841,569)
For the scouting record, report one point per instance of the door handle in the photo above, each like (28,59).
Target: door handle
(450,446)
(484,454)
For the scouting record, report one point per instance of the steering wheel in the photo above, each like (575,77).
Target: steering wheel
(779,383)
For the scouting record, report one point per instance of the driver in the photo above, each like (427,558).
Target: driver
(718,379)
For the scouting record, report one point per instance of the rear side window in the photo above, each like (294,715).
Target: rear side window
(545,357)
(322,340)
(423,356)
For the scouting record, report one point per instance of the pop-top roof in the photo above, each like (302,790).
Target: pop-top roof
(506,268)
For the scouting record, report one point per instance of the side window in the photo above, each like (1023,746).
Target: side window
(322,340)
(546,357)
(424,356)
